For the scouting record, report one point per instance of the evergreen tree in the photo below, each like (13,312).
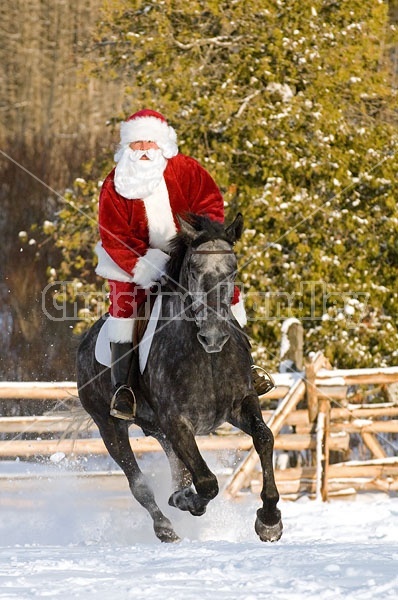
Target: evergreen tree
(291,105)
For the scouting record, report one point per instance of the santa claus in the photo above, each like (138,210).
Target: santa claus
(140,200)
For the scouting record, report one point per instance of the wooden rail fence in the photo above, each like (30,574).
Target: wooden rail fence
(314,415)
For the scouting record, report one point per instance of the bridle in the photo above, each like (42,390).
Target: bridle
(212,252)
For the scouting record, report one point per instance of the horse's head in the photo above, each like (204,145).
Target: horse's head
(207,274)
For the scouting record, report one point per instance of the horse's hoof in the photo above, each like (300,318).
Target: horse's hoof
(165,532)
(188,500)
(198,509)
(268,533)
(169,537)
(181,498)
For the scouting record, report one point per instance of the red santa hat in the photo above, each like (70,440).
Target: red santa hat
(148,125)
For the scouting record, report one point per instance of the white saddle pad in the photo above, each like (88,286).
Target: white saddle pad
(103,345)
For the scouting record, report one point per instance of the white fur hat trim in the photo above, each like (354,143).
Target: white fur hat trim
(150,126)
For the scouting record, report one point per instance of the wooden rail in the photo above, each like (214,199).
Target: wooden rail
(345,477)
(141,445)
(324,426)
(322,385)
(350,419)
(38,390)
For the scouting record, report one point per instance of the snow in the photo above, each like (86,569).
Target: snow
(70,537)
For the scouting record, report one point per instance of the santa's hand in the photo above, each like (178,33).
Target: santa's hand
(150,267)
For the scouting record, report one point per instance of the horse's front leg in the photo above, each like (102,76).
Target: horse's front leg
(114,432)
(184,496)
(249,419)
(179,433)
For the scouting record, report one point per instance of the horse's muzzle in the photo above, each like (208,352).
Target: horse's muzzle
(212,342)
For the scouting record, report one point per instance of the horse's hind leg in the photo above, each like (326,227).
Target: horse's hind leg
(183,443)
(114,432)
(268,523)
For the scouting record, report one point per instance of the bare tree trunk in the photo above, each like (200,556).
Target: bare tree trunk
(52,118)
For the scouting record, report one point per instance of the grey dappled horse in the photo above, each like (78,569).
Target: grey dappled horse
(198,376)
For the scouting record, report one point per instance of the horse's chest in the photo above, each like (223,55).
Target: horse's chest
(185,380)
(193,393)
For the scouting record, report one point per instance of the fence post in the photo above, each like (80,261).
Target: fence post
(291,351)
(311,368)
(322,450)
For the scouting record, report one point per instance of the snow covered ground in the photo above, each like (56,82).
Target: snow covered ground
(67,538)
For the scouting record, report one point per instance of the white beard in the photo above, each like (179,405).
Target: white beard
(135,178)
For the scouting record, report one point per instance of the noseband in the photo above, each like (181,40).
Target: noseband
(212,252)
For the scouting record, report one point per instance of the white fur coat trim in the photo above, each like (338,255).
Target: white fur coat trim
(120,330)
(107,267)
(150,267)
(161,224)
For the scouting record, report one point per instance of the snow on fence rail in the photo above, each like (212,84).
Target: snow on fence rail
(324,426)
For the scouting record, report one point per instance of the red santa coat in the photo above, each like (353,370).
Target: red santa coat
(135,233)
(132,253)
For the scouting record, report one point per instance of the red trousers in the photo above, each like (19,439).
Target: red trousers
(125,298)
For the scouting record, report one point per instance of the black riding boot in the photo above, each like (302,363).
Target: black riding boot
(123,402)
(262,381)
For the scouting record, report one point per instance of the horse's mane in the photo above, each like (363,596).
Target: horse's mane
(209,230)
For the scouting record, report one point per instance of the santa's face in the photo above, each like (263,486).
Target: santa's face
(144,145)
(139,170)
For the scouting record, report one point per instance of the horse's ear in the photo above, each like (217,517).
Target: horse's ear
(187,230)
(235,230)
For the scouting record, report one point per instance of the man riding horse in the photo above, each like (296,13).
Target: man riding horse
(141,198)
